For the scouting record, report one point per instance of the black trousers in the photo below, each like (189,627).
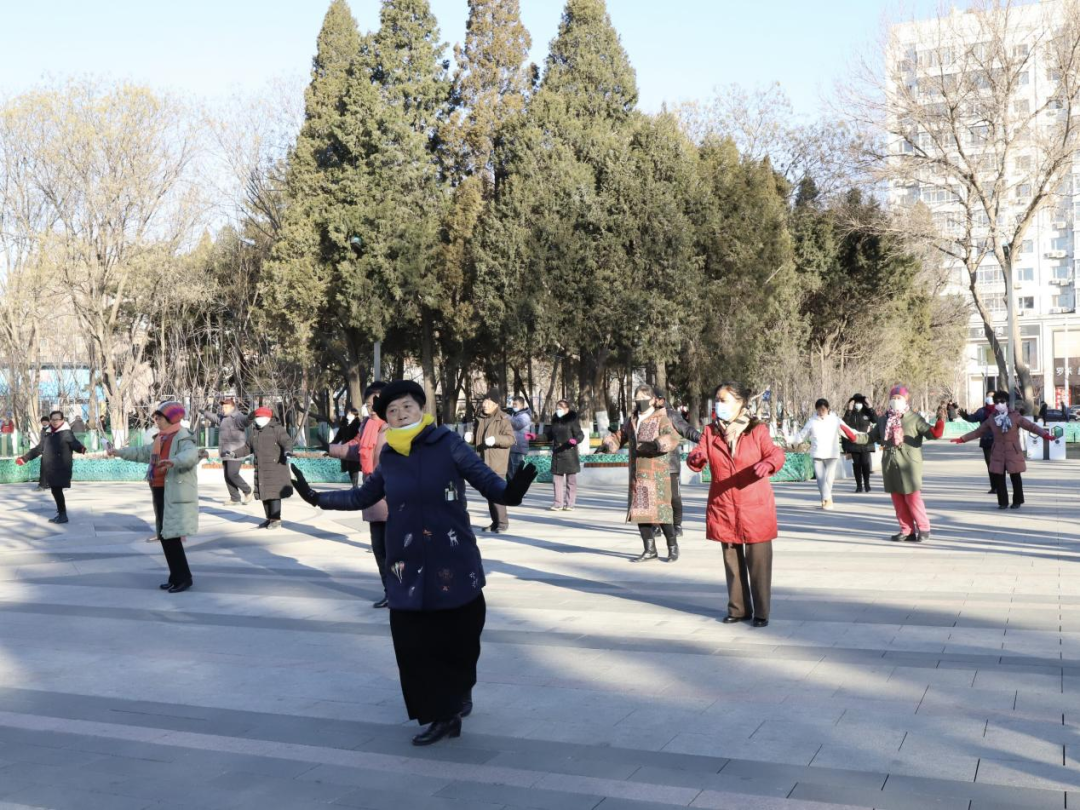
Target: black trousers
(272,508)
(172,546)
(861,463)
(676,499)
(354,477)
(61,502)
(378,548)
(499,518)
(648,532)
(436,653)
(233,480)
(749,578)
(986,458)
(1002,489)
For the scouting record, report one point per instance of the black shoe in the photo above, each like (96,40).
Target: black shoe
(760,622)
(42,489)
(1003,506)
(1016,506)
(180,587)
(921,537)
(61,518)
(273,524)
(492,529)
(437,730)
(649,553)
(868,488)
(165,586)
(381,603)
(991,491)
(858,489)
(466,705)
(729,619)
(264,524)
(900,537)
(673,552)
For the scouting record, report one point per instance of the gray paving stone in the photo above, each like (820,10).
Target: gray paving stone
(565,765)
(844,794)
(519,797)
(394,800)
(57,797)
(1019,798)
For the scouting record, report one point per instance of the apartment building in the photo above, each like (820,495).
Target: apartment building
(921,56)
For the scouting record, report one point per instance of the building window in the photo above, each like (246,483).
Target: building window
(1059,243)
(1023,191)
(1061,271)
(988,275)
(1026,303)
(1023,79)
(994,303)
(1023,164)
(1025,274)
(1022,106)
(1027,246)
(1062,301)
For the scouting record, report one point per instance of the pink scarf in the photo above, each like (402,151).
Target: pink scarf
(894,428)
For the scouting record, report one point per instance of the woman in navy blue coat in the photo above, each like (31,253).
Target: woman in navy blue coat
(434,574)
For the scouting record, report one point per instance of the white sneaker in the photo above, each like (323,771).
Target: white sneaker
(827,506)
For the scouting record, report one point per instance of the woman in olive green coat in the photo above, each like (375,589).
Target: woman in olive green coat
(901,431)
(172,472)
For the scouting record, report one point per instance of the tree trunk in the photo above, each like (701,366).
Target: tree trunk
(661,377)
(354,367)
(427,359)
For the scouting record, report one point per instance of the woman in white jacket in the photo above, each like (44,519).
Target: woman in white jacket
(823,430)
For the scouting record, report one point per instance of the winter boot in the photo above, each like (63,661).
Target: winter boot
(673,551)
(649,553)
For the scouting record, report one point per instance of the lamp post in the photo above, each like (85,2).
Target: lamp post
(1013,347)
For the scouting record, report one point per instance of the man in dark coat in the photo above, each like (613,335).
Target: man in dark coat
(986,441)
(688,432)
(232,447)
(271,444)
(493,439)
(55,450)
(41,437)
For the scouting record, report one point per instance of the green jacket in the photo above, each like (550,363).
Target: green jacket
(181,516)
(901,466)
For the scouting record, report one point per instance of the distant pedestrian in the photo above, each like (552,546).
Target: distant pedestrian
(986,440)
(173,474)
(55,450)
(860,417)
(823,430)
(78,425)
(7,426)
(741,510)
(43,431)
(232,448)
(565,435)
(1007,451)
(271,444)
(691,434)
(651,437)
(521,422)
(347,432)
(493,439)
(901,432)
(436,580)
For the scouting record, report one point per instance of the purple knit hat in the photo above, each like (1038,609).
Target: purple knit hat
(171,410)
(900,391)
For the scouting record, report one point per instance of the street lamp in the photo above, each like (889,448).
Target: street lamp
(1015,344)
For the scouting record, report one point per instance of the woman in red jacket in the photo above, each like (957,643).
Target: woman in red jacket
(741,513)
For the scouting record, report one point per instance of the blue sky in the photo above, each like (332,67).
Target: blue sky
(681,49)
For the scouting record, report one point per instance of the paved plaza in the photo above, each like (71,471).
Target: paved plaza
(899,677)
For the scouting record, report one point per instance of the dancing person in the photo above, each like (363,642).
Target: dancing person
(173,474)
(55,449)
(901,432)
(691,434)
(493,439)
(521,422)
(565,434)
(271,444)
(651,437)
(365,449)
(986,440)
(232,448)
(860,417)
(823,430)
(1007,451)
(741,509)
(436,577)
(349,430)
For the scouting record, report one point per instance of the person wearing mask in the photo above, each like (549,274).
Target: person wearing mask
(232,447)
(365,449)
(986,440)
(173,474)
(860,417)
(271,444)
(823,430)
(1007,451)
(493,439)
(435,575)
(56,449)
(521,422)
(741,509)
(349,430)
(43,431)
(901,432)
(565,434)
(688,432)
(651,437)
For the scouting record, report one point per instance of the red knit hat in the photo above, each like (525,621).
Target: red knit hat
(900,391)
(172,411)
(263,412)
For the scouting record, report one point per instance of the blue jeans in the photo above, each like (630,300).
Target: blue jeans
(516,460)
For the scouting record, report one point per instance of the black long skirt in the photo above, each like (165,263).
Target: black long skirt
(436,652)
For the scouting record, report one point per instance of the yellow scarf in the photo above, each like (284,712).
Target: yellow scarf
(401,439)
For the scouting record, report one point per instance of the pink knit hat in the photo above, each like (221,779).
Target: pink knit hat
(172,411)
(900,391)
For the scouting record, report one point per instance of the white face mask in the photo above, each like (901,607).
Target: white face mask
(410,427)
(725,411)
(560,413)
(899,404)
(1001,407)
(350,419)
(262,421)
(989,400)
(858,406)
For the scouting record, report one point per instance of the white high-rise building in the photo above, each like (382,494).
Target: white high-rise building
(1045,262)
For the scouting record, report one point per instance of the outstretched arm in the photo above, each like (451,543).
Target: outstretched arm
(347,500)
(476,472)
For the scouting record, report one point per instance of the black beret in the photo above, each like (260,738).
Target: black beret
(396,390)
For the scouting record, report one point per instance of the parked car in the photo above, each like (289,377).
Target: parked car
(1056,415)
(1074,413)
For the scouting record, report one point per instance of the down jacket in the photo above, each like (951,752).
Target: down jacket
(741,506)
(181,515)
(270,444)
(55,450)
(1007,451)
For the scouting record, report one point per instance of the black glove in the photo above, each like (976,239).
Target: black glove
(302,488)
(517,486)
(648,449)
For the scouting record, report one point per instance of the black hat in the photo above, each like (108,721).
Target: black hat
(396,390)
(859,398)
(375,388)
(493,395)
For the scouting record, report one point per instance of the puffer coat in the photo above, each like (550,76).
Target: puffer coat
(270,444)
